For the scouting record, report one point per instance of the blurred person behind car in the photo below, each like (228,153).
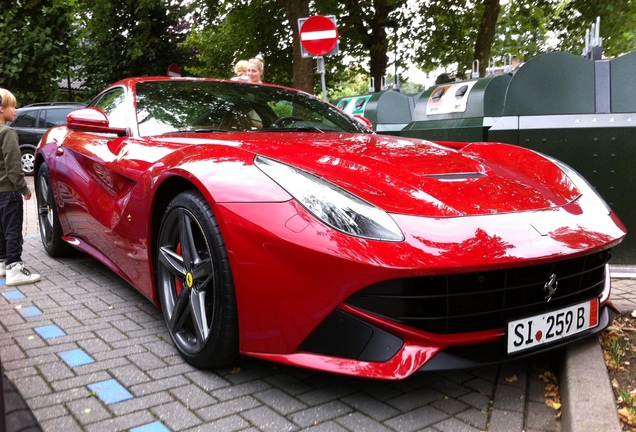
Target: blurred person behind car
(240,71)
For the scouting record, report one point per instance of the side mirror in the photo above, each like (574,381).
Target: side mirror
(92,120)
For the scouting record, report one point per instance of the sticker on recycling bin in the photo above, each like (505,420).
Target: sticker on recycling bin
(449,98)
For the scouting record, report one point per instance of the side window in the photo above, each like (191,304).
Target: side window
(41,121)
(26,119)
(113,105)
(54,117)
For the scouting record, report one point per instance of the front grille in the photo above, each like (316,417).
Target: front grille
(469,302)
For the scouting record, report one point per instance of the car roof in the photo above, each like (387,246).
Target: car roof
(41,104)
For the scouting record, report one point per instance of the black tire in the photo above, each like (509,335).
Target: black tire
(50,227)
(28,161)
(195,284)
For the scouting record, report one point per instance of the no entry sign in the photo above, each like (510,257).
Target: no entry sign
(318,35)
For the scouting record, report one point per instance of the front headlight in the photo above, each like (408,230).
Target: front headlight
(331,204)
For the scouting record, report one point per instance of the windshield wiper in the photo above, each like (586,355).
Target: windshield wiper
(198,130)
(290,129)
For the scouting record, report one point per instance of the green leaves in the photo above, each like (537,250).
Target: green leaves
(123,38)
(574,17)
(32,52)
(102,41)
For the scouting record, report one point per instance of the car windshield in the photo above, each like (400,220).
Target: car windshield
(165,107)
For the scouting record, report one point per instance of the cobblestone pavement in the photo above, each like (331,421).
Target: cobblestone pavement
(88,353)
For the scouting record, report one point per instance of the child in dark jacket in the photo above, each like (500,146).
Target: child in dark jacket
(12,188)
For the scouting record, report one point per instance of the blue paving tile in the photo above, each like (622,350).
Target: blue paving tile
(110,391)
(13,295)
(75,357)
(29,311)
(151,427)
(49,331)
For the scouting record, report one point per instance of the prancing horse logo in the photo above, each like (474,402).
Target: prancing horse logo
(550,287)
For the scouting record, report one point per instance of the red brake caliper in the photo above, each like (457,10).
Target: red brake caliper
(178,285)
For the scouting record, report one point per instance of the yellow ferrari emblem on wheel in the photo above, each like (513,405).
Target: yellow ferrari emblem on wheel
(189,280)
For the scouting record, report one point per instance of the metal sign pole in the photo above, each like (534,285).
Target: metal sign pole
(321,70)
(318,37)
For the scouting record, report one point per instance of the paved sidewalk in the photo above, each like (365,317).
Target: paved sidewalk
(88,353)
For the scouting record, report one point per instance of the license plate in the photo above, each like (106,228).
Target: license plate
(551,326)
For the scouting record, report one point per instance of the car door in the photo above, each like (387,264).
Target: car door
(98,173)
(88,192)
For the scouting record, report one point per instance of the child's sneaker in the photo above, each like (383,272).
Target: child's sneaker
(3,269)
(18,274)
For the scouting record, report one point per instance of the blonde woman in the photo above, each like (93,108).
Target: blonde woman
(255,69)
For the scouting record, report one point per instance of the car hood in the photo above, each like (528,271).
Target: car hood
(418,177)
(412,176)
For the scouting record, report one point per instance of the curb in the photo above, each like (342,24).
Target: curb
(586,390)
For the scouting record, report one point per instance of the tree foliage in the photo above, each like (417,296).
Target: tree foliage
(444,35)
(459,35)
(449,29)
(34,48)
(241,30)
(522,31)
(101,41)
(365,27)
(123,38)
(572,18)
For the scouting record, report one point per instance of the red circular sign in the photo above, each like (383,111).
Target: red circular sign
(174,70)
(318,35)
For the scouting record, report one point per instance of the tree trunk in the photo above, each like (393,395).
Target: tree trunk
(378,47)
(375,31)
(302,68)
(486,34)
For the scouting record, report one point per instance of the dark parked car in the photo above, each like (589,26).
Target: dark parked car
(31,121)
